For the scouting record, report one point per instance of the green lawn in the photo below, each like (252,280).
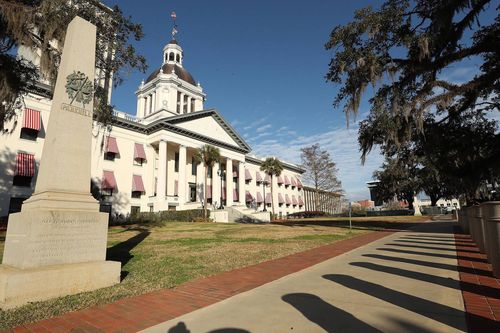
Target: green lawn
(167,255)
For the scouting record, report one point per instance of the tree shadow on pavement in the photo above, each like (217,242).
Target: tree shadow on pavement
(327,316)
(182,328)
(429,247)
(435,311)
(442,281)
(429,264)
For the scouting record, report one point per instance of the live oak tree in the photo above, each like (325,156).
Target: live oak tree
(208,155)
(404,52)
(273,167)
(320,172)
(40,25)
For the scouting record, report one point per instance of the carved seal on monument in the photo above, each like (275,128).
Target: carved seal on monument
(79,88)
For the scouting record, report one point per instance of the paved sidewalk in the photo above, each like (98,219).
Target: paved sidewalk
(406,282)
(140,312)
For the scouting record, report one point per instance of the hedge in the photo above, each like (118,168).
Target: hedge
(191,215)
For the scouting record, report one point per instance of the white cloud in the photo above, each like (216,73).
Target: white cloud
(342,145)
(263,128)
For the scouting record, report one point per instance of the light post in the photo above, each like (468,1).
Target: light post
(221,173)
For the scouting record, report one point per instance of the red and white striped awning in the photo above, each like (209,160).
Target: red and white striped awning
(248,175)
(259,198)
(258,177)
(299,183)
(108,180)
(287,181)
(137,184)
(235,195)
(111,146)
(280,199)
(294,200)
(32,119)
(280,180)
(268,198)
(287,200)
(294,182)
(25,165)
(248,197)
(301,202)
(139,153)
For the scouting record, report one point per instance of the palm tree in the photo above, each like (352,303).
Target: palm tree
(208,155)
(273,167)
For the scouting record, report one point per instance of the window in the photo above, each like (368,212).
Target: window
(15,205)
(185,104)
(171,56)
(106,192)
(136,194)
(193,166)
(176,165)
(22,181)
(138,161)
(178,58)
(109,156)
(134,210)
(192,192)
(29,134)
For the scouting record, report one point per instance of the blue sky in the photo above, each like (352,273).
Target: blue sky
(262,65)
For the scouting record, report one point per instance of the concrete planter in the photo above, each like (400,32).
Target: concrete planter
(469,211)
(462,220)
(491,214)
(477,225)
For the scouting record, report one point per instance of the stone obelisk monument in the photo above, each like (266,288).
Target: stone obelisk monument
(56,245)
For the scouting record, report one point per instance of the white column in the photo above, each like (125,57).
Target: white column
(229,182)
(241,182)
(153,103)
(215,185)
(140,105)
(181,103)
(189,105)
(144,101)
(162,171)
(200,183)
(182,175)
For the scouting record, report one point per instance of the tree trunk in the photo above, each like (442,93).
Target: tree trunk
(434,200)
(272,198)
(205,197)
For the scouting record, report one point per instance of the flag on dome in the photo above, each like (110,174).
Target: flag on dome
(174,31)
(173,15)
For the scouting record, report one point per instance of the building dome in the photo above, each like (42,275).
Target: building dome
(179,71)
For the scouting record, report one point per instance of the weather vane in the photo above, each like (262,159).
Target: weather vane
(174,28)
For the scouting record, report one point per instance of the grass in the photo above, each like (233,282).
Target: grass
(167,255)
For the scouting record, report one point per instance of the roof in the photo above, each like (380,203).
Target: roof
(183,74)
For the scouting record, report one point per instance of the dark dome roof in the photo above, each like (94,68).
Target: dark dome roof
(173,41)
(179,71)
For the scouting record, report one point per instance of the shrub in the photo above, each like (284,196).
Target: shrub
(191,215)
(307,214)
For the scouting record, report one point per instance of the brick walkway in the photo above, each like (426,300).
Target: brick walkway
(480,290)
(140,312)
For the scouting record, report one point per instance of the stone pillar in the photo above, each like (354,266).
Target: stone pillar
(229,182)
(56,245)
(144,101)
(241,183)
(216,184)
(182,175)
(162,171)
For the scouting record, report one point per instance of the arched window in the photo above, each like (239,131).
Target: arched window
(171,56)
(178,58)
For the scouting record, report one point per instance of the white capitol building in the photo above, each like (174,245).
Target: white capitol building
(146,162)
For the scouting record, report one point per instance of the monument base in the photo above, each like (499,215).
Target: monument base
(22,286)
